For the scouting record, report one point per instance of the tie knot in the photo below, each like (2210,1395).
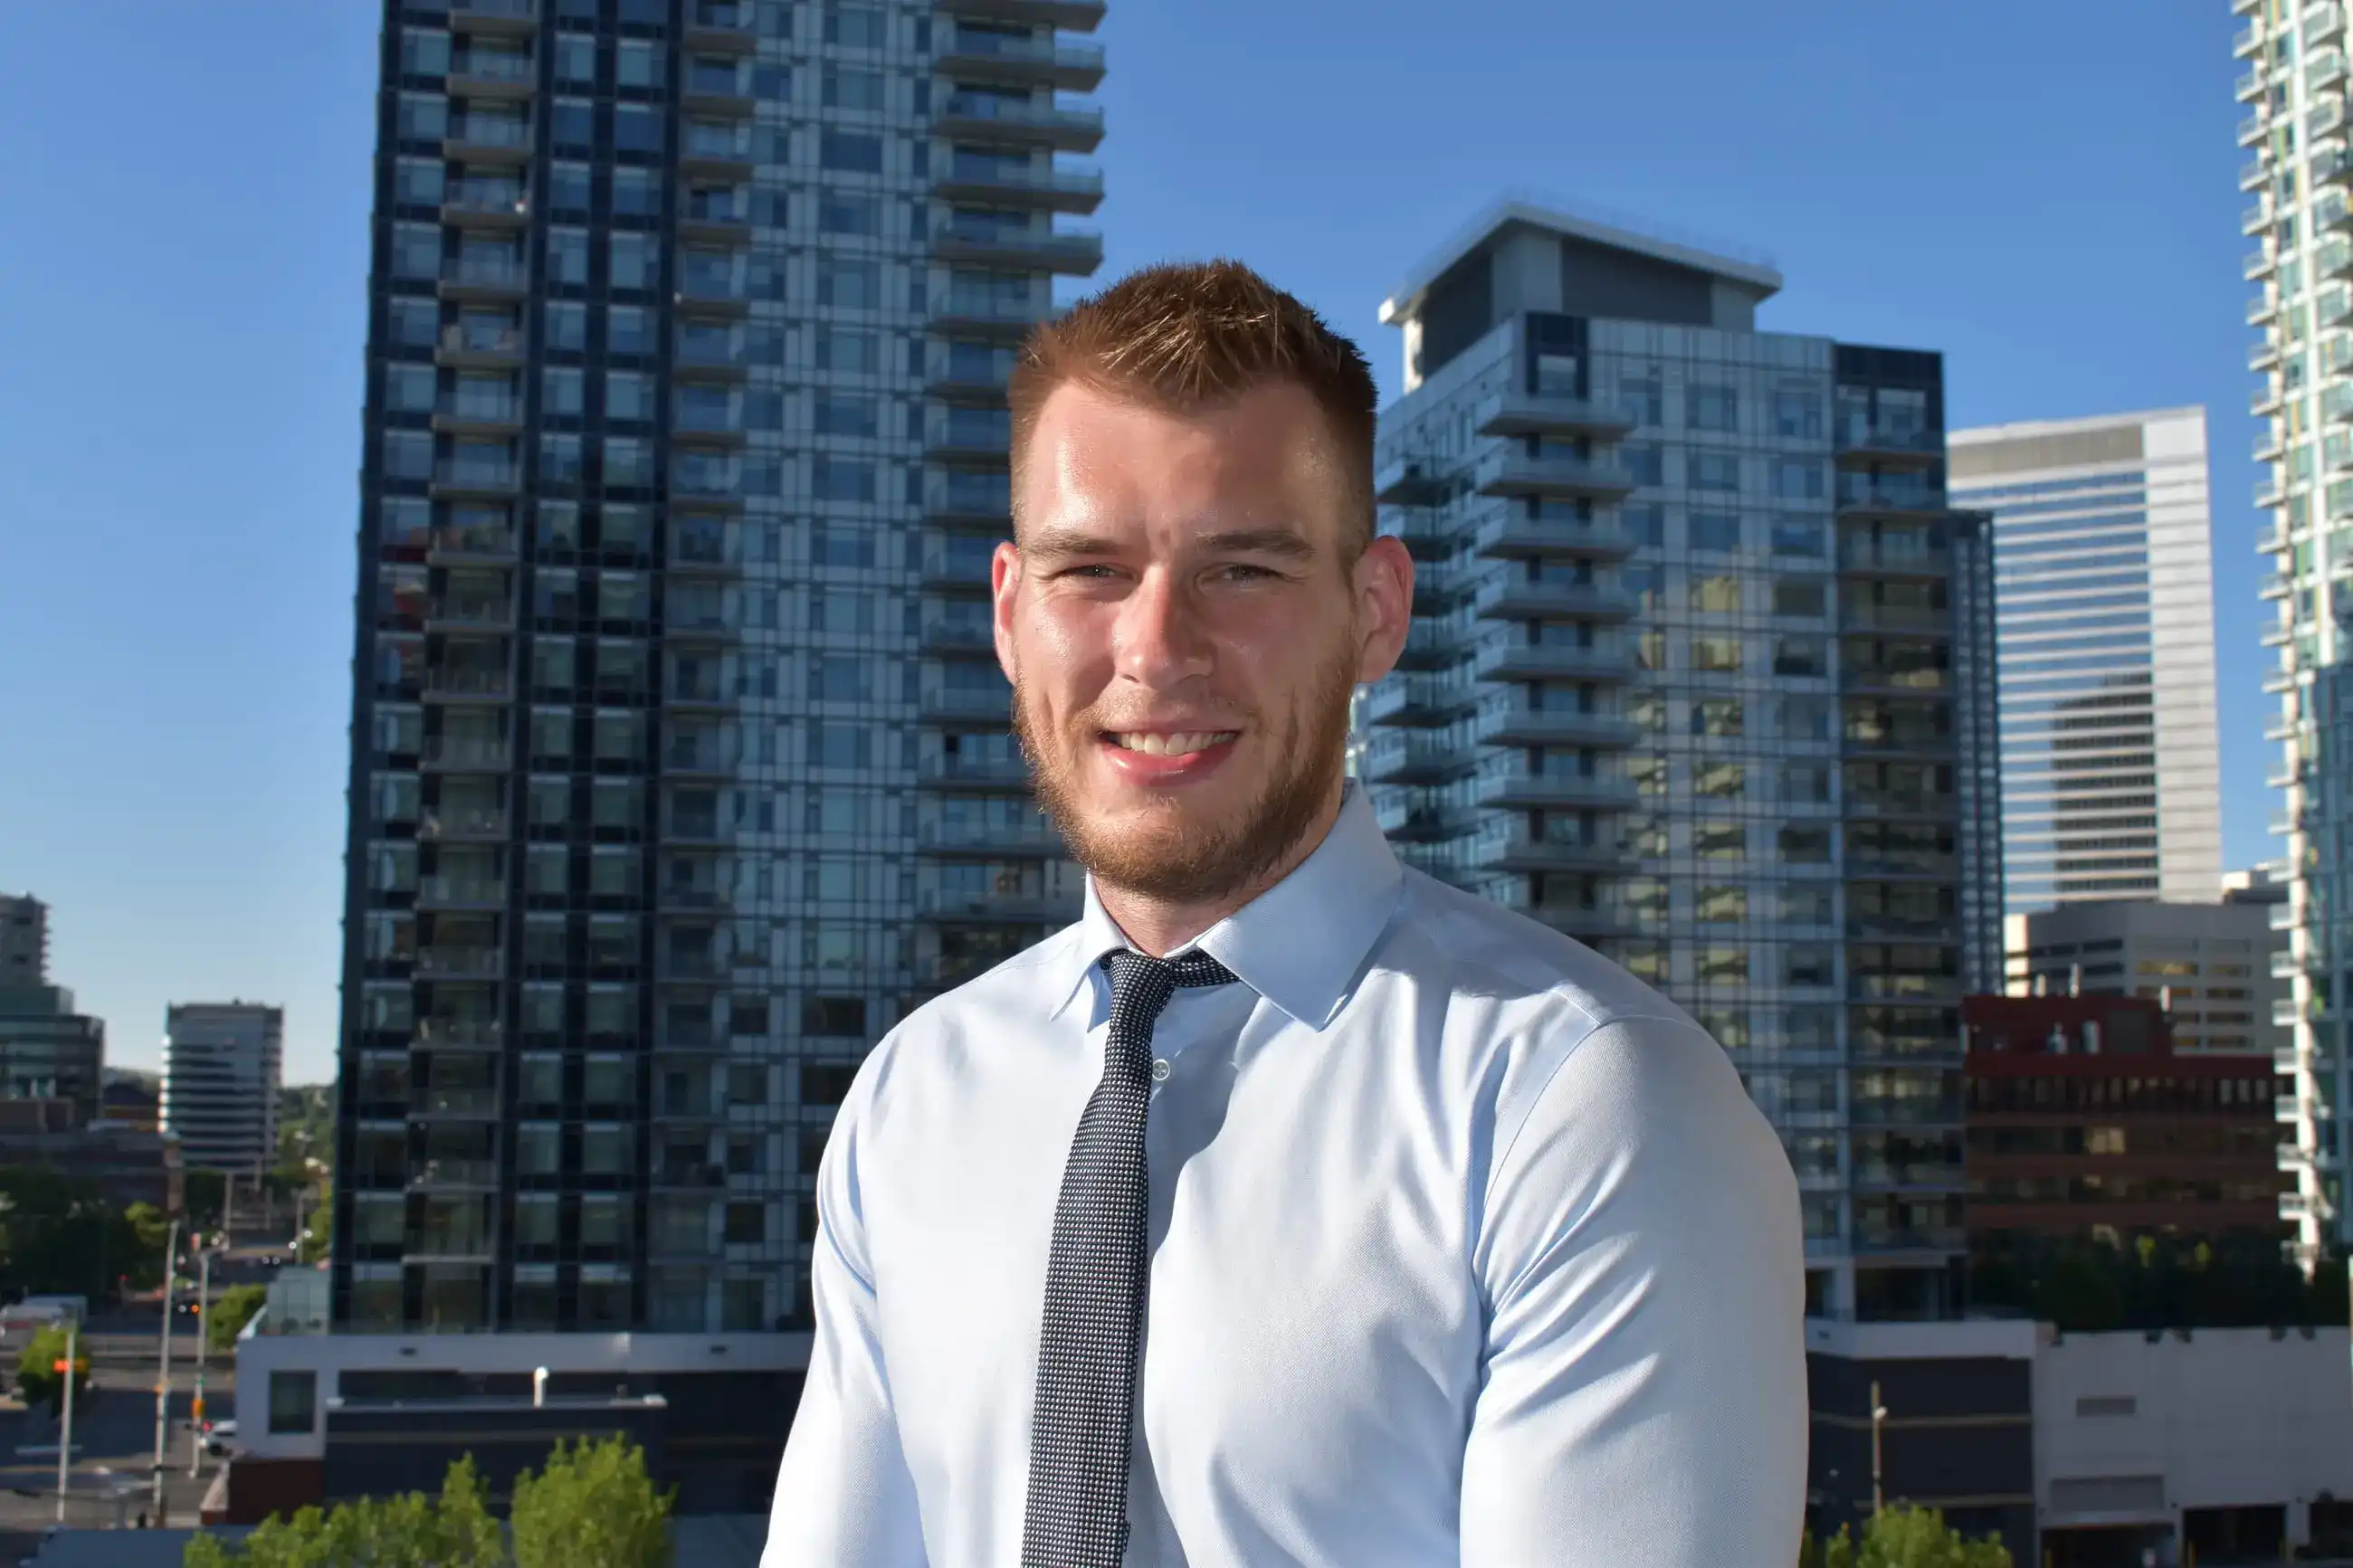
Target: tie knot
(1141,985)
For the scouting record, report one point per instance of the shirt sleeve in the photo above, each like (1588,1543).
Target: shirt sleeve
(844,1496)
(1644,1398)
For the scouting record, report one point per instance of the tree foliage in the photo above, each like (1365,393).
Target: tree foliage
(1904,1537)
(2211,1282)
(454,1529)
(59,1235)
(228,1312)
(593,1507)
(37,1378)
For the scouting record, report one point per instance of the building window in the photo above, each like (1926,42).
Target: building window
(825,1083)
(850,152)
(1801,536)
(1714,531)
(1798,479)
(1714,471)
(293,1401)
(1713,408)
(844,1016)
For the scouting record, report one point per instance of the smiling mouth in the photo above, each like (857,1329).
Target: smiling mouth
(1182,744)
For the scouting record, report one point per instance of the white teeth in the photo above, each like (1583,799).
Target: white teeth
(1175,745)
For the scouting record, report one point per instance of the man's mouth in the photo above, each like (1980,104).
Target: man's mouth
(1179,744)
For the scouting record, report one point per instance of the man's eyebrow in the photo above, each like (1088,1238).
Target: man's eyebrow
(1061,543)
(1281,541)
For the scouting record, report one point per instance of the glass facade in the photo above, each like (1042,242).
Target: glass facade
(679,766)
(1698,675)
(2110,763)
(2299,184)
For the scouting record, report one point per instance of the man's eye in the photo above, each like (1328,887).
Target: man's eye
(1241,572)
(1096,571)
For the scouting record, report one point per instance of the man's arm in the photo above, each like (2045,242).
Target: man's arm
(1645,1393)
(844,1499)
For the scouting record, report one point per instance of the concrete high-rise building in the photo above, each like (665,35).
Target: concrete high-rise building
(2207,965)
(48,1051)
(2104,599)
(680,766)
(222,1063)
(1700,673)
(24,940)
(2294,88)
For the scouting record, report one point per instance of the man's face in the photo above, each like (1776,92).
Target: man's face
(1183,624)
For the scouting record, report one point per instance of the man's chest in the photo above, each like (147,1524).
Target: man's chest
(1313,1320)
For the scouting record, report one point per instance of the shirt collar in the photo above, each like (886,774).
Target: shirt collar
(1300,943)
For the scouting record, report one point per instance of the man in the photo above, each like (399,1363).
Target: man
(1291,1208)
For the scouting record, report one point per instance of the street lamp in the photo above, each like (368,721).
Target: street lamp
(204,1340)
(1878,1416)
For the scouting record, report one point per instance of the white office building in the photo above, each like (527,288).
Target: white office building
(2103,565)
(221,1067)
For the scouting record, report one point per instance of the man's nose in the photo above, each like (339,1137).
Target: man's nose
(1160,640)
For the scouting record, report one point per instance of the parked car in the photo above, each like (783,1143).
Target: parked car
(221,1437)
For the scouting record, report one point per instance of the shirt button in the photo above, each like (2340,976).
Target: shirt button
(1160,1069)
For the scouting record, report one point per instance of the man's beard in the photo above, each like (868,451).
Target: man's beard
(1177,860)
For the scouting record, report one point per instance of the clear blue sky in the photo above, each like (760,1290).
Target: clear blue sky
(2044,192)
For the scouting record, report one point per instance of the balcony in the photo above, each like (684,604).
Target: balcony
(467,685)
(2326,117)
(463,347)
(712,153)
(1546,661)
(721,26)
(959,774)
(1900,805)
(1026,908)
(487,138)
(943,703)
(1540,414)
(1860,495)
(495,206)
(463,825)
(978,314)
(1006,183)
(2251,128)
(981,119)
(1543,727)
(970,435)
(460,964)
(2254,219)
(1419,701)
(1545,790)
(1863,555)
(2250,84)
(1027,837)
(980,502)
(474,415)
(1887,446)
(2323,68)
(1909,620)
(1521,600)
(494,18)
(1513,535)
(973,56)
(1068,16)
(1509,473)
(446,893)
(963,563)
(715,353)
(1520,852)
(1071,252)
(1417,756)
(1409,484)
(2259,264)
(494,74)
(697,755)
(958,636)
(497,280)
(720,217)
(1591,922)
(446,755)
(718,92)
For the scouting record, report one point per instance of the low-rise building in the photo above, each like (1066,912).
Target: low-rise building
(128,1165)
(48,1051)
(2209,965)
(2084,1123)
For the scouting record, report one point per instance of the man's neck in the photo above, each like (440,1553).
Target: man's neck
(1159,927)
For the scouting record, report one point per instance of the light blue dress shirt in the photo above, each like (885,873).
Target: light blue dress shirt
(1466,1247)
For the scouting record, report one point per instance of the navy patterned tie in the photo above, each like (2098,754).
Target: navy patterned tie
(1077,1513)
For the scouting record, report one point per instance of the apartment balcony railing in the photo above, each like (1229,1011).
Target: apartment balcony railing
(1072,252)
(474,135)
(452,892)
(1512,473)
(1863,493)
(984,118)
(1025,835)
(1540,791)
(1060,188)
(444,1173)
(460,962)
(995,774)
(996,56)
(1511,534)
(474,543)
(1549,414)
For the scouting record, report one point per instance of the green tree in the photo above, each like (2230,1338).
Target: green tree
(593,1507)
(228,1312)
(310,1247)
(37,1378)
(454,1529)
(60,1236)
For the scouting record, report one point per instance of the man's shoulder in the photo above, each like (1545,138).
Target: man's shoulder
(1487,955)
(946,1027)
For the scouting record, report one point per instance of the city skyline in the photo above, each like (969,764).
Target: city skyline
(219,874)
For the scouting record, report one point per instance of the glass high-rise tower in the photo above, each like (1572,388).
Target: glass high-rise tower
(679,768)
(2299,182)
(2104,566)
(1700,673)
